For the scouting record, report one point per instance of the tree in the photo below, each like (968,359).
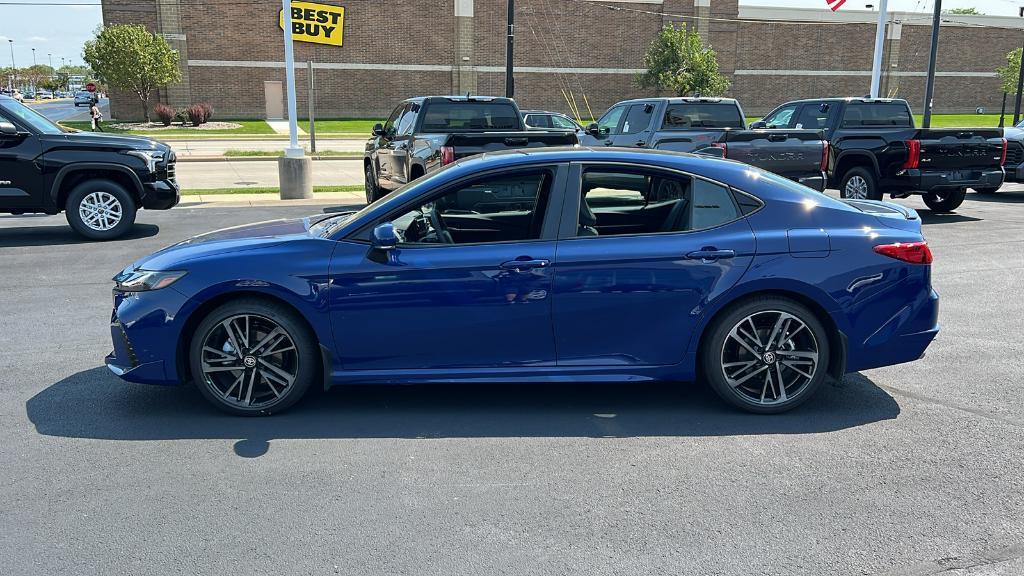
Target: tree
(968,11)
(678,60)
(129,57)
(1008,74)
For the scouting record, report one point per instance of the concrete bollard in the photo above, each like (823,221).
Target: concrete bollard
(295,176)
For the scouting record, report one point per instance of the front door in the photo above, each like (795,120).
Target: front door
(630,287)
(21,182)
(469,286)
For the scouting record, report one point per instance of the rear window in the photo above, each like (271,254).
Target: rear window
(710,115)
(464,116)
(877,114)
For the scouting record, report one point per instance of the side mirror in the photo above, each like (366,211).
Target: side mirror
(378,129)
(593,129)
(384,237)
(759,125)
(8,129)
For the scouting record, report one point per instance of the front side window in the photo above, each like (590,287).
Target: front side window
(407,120)
(609,123)
(617,202)
(563,122)
(781,117)
(389,125)
(502,208)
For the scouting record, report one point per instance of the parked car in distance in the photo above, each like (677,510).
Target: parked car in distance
(98,180)
(425,133)
(84,99)
(876,149)
(712,126)
(44,95)
(545,120)
(541,265)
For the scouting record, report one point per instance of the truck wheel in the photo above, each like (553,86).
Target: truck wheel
(945,201)
(372,190)
(859,184)
(100,209)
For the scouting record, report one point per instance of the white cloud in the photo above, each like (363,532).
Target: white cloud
(37,39)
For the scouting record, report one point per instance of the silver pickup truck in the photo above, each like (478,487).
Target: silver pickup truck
(711,126)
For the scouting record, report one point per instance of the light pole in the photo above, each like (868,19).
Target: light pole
(49,58)
(14,69)
(62,65)
(929,85)
(33,56)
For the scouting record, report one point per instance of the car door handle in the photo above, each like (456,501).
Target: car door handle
(520,265)
(710,254)
(641,143)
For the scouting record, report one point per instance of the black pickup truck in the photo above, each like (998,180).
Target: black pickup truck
(98,180)
(876,149)
(424,133)
(711,126)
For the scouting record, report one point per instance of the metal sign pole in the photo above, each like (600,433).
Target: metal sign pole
(312,105)
(876,65)
(930,83)
(293,149)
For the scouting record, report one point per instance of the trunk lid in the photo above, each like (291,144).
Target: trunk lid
(961,149)
(888,214)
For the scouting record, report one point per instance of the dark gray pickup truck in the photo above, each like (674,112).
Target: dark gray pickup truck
(712,126)
(424,133)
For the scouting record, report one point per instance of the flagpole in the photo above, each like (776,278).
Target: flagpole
(876,65)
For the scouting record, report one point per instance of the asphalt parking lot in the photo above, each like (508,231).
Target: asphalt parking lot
(914,469)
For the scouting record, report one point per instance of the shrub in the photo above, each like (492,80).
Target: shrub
(199,114)
(165,113)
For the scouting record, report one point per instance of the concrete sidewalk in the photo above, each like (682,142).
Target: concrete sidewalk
(261,173)
(205,148)
(236,200)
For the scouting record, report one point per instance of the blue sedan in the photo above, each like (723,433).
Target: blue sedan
(553,265)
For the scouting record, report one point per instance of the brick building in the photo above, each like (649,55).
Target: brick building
(585,50)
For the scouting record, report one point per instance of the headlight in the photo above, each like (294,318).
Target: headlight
(150,157)
(142,280)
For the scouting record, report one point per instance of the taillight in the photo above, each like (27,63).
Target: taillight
(824,155)
(913,154)
(1002,160)
(723,146)
(447,155)
(913,252)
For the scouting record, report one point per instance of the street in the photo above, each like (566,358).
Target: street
(908,469)
(64,109)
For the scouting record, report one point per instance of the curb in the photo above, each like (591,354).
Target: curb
(257,158)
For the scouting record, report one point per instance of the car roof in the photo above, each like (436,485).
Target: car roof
(846,99)
(681,100)
(463,98)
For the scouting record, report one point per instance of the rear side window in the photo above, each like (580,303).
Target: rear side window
(463,116)
(538,120)
(637,119)
(876,114)
(712,206)
(710,115)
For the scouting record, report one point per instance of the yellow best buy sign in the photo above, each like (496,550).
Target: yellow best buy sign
(319,23)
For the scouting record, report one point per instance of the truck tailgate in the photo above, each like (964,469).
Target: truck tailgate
(470,143)
(784,152)
(960,148)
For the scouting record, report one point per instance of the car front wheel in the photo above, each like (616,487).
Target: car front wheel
(766,356)
(252,357)
(100,209)
(372,189)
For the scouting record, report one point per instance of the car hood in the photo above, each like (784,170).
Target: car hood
(110,141)
(234,239)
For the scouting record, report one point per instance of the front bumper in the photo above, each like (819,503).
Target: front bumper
(1014,173)
(160,195)
(929,180)
(144,331)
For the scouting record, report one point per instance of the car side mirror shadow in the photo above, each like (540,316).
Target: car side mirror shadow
(8,129)
(384,237)
(759,125)
(378,129)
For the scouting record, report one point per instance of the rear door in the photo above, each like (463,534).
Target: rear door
(635,129)
(640,252)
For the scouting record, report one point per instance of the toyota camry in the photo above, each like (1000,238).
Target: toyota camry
(555,265)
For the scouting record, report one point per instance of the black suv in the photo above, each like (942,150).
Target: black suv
(99,180)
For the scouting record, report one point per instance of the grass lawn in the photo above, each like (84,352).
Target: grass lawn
(276,153)
(268,190)
(359,126)
(247,127)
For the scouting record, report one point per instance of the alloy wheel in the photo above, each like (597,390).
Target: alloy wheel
(100,211)
(249,360)
(856,188)
(769,357)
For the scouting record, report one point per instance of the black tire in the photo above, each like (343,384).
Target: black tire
(717,354)
(860,182)
(986,190)
(302,362)
(372,189)
(92,193)
(945,201)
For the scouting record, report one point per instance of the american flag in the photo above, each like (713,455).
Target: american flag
(835,4)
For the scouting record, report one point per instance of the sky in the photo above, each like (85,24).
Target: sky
(62,30)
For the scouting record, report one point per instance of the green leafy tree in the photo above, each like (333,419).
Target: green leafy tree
(129,57)
(968,11)
(678,60)
(1008,74)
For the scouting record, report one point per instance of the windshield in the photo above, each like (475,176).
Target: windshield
(13,109)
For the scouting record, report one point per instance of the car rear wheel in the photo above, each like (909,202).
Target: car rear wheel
(859,184)
(766,356)
(251,357)
(945,201)
(100,209)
